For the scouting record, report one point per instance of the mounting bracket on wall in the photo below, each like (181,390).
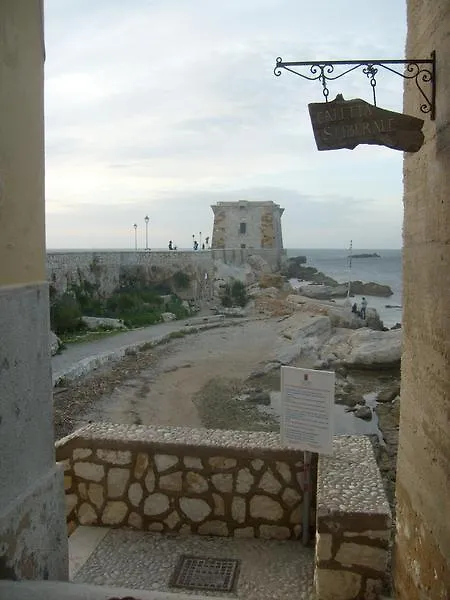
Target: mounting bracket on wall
(422,71)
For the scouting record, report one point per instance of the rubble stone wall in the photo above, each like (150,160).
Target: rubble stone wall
(353,523)
(183,480)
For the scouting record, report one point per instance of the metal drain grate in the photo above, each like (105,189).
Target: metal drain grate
(208,574)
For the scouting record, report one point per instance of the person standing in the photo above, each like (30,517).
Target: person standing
(363,308)
(170,245)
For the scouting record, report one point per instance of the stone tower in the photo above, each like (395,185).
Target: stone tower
(245,224)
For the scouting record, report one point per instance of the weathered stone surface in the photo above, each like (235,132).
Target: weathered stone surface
(365,556)
(384,534)
(291,496)
(238,509)
(135,493)
(296,515)
(156,504)
(135,520)
(244,532)
(223,482)
(172,520)
(155,527)
(192,462)
(323,546)
(257,464)
(337,585)
(185,529)
(71,502)
(363,412)
(262,507)
(219,505)
(269,483)
(273,532)
(115,457)
(150,481)
(196,483)
(171,482)
(222,463)
(81,453)
(117,481)
(164,462)
(89,471)
(114,512)
(285,471)
(195,508)
(86,514)
(67,482)
(66,464)
(213,528)
(82,490)
(96,494)
(141,465)
(373,589)
(244,481)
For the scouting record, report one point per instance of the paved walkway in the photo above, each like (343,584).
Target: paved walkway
(268,569)
(78,359)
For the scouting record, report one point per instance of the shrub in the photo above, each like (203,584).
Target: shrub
(65,314)
(181,280)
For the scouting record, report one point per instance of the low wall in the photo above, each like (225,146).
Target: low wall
(183,480)
(104,268)
(353,523)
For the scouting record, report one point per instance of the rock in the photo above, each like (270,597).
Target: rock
(370,289)
(195,509)
(114,513)
(164,462)
(103,323)
(166,317)
(389,393)
(55,343)
(262,398)
(364,349)
(396,326)
(263,507)
(363,412)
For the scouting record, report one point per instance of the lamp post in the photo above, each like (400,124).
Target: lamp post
(135,236)
(146,231)
(200,236)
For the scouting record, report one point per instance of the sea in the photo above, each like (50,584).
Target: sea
(386,270)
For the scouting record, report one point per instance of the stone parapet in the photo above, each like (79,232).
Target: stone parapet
(183,480)
(353,523)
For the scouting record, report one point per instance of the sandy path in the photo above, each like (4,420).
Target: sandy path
(163,394)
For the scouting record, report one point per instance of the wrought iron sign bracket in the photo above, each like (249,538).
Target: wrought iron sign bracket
(422,71)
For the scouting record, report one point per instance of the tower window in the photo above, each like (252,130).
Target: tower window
(243,228)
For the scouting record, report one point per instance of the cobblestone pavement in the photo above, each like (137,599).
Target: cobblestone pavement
(275,570)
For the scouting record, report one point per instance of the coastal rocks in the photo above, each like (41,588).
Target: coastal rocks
(300,337)
(363,412)
(103,323)
(389,393)
(166,317)
(370,289)
(339,290)
(55,343)
(364,349)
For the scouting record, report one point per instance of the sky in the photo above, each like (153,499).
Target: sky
(164,107)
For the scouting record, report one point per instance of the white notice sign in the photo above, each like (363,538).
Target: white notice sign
(307,398)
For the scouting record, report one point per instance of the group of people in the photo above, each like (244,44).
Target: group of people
(362,312)
(171,246)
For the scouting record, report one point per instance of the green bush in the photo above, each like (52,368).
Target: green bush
(181,280)
(65,314)
(234,294)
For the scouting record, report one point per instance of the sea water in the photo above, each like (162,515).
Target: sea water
(386,270)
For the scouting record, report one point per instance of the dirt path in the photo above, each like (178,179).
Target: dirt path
(162,387)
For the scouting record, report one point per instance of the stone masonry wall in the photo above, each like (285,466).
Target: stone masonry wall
(182,480)
(353,523)
(422,546)
(106,268)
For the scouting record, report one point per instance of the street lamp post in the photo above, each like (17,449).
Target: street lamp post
(200,236)
(135,236)
(146,231)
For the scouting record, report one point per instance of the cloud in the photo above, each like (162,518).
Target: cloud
(161,107)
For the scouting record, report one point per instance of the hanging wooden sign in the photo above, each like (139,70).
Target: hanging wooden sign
(348,123)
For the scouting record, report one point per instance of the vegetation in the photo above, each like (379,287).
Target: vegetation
(136,302)
(234,294)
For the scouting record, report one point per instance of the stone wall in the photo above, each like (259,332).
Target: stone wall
(422,554)
(183,480)
(353,523)
(105,268)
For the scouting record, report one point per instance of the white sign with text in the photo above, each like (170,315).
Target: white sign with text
(307,399)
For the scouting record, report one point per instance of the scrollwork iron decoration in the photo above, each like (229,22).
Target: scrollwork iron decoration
(422,71)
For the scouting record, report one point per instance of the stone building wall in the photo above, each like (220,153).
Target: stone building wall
(184,480)
(106,268)
(262,225)
(422,555)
